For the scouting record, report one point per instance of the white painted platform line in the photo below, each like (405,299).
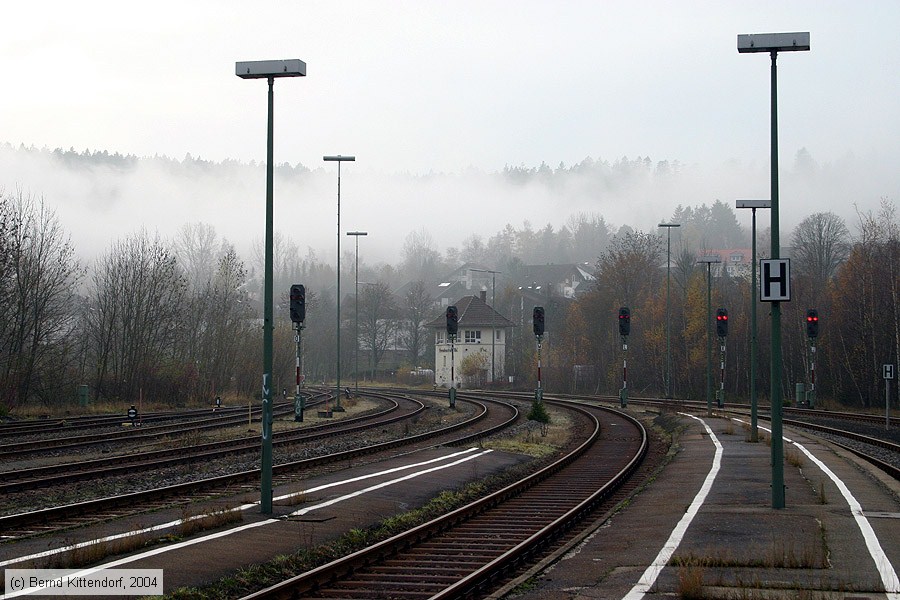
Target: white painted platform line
(885,569)
(652,573)
(178,522)
(384,484)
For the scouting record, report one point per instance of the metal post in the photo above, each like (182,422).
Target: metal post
(539,392)
(754,431)
(265,501)
(452,369)
(337,402)
(777,431)
(708,340)
(493,327)
(811,393)
(722,373)
(623,394)
(887,404)
(356,341)
(298,399)
(668,227)
(356,234)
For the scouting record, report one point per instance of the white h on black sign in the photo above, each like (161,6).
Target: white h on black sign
(888,371)
(775,280)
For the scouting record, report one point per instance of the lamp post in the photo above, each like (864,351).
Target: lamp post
(493,312)
(668,227)
(269,70)
(753,205)
(356,235)
(773,43)
(338,159)
(709,261)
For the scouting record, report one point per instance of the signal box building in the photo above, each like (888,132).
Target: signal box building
(481,330)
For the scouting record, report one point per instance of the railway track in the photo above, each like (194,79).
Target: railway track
(29,524)
(62,473)
(133,436)
(466,552)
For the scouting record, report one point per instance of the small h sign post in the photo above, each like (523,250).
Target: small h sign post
(887,371)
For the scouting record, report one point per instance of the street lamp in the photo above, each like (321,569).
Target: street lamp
(753,205)
(268,69)
(773,43)
(356,235)
(709,261)
(338,159)
(668,227)
(493,312)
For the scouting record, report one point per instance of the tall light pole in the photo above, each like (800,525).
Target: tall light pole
(668,227)
(269,70)
(709,261)
(773,43)
(339,159)
(493,312)
(356,235)
(753,205)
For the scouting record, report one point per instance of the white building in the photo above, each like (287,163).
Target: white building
(481,330)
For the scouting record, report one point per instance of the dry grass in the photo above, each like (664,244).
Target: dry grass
(793,458)
(194,523)
(690,578)
(532,442)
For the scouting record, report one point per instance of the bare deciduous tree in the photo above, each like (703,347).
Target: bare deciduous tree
(417,309)
(38,277)
(133,316)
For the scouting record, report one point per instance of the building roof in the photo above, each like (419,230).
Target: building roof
(473,312)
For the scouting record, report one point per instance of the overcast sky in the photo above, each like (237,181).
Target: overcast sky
(430,86)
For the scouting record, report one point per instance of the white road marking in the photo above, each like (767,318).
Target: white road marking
(249,506)
(378,486)
(888,575)
(649,577)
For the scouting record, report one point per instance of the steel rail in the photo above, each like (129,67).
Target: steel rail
(18,521)
(472,583)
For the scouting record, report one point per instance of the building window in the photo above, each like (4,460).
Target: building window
(497,334)
(473,337)
(440,337)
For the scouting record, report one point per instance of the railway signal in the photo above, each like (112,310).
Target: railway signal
(298,303)
(721,322)
(537,318)
(812,323)
(624,321)
(452,320)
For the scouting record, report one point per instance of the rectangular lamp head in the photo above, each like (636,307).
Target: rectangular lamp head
(773,42)
(357,233)
(263,69)
(708,259)
(753,204)
(669,225)
(338,158)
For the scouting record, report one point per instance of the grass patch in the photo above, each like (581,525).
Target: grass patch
(194,523)
(537,440)
(793,457)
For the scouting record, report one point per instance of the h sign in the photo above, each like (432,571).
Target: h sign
(775,280)
(888,371)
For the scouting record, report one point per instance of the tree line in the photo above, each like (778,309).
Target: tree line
(175,320)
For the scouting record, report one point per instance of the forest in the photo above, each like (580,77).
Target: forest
(179,320)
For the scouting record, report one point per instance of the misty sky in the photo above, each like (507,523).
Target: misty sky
(460,88)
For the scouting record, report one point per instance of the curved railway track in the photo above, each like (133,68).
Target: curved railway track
(137,435)
(37,522)
(36,477)
(464,553)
